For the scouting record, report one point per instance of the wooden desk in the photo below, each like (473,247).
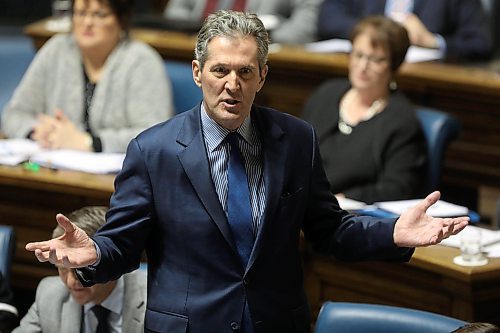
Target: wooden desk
(29,201)
(470,93)
(430,281)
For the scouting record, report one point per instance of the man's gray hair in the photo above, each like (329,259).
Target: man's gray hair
(88,218)
(228,23)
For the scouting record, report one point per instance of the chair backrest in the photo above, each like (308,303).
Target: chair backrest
(186,93)
(341,317)
(439,129)
(7,246)
(16,53)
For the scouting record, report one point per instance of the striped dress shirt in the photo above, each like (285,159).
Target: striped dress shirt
(218,158)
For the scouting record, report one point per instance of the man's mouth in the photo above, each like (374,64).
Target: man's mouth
(231,101)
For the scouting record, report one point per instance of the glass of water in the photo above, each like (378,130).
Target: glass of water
(471,248)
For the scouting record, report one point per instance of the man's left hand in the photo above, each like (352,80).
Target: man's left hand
(416,228)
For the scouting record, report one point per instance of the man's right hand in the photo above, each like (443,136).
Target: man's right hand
(72,250)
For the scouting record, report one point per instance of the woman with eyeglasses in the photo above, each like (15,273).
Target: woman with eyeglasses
(371,142)
(93,89)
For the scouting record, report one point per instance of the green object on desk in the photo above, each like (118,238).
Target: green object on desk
(31,166)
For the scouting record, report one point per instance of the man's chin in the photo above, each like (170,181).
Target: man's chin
(79,298)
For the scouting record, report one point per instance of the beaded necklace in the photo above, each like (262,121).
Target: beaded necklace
(346,127)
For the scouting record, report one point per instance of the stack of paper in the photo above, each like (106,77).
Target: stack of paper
(414,54)
(15,151)
(439,209)
(80,161)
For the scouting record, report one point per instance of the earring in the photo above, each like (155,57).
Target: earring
(393,85)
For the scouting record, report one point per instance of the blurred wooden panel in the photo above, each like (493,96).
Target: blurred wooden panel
(430,282)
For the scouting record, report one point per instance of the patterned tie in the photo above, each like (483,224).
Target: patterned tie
(239,211)
(102,315)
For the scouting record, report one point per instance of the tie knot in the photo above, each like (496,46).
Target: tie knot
(232,138)
(102,315)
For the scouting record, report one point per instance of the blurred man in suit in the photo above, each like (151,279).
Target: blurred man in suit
(62,304)
(289,21)
(459,28)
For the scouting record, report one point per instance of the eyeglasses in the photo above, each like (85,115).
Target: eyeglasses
(97,17)
(375,61)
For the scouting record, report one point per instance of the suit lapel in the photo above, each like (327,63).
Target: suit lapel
(134,303)
(195,163)
(273,164)
(71,316)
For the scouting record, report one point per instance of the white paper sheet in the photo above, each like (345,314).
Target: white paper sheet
(414,54)
(80,161)
(16,151)
(350,204)
(439,209)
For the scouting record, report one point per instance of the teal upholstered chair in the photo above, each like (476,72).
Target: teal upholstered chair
(341,317)
(440,129)
(16,53)
(185,92)
(7,246)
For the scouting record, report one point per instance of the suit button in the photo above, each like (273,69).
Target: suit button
(235,326)
(246,281)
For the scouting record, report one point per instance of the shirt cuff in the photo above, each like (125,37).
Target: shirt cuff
(441,44)
(98,260)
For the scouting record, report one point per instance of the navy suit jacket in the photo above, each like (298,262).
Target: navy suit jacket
(165,201)
(462,23)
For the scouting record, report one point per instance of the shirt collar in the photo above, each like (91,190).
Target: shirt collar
(215,133)
(114,302)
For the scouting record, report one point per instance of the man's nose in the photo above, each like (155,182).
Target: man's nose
(233,82)
(73,280)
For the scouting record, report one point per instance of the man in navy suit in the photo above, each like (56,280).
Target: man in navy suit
(172,194)
(458,27)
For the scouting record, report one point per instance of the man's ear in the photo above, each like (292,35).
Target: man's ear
(195,65)
(263,74)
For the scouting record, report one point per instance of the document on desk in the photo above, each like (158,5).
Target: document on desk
(414,54)
(490,239)
(16,151)
(99,163)
(350,204)
(439,209)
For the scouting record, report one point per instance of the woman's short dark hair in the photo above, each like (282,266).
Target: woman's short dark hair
(122,9)
(387,34)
